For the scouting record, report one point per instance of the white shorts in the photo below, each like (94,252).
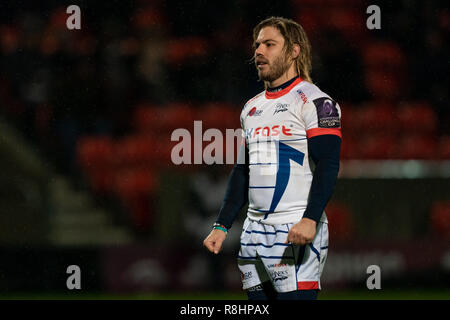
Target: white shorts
(264,256)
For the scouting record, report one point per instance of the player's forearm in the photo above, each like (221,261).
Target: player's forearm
(325,152)
(236,195)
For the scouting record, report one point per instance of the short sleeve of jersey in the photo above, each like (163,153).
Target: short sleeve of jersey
(321,116)
(241,119)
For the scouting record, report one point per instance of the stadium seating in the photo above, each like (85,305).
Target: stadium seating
(95,151)
(387,123)
(417,146)
(383,54)
(101,181)
(349,147)
(418,117)
(133,150)
(344,16)
(440,219)
(340,220)
(220,115)
(444,148)
(385,65)
(131,182)
(179,50)
(375,117)
(154,119)
(377,146)
(135,187)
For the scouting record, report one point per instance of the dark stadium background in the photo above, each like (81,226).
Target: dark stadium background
(85,123)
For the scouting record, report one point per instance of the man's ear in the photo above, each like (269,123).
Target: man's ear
(295,51)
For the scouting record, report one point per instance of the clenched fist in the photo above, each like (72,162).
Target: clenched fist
(302,232)
(214,240)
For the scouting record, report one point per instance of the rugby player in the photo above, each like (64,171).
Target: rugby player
(286,171)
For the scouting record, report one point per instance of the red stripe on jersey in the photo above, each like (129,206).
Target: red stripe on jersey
(274,95)
(321,131)
(307,285)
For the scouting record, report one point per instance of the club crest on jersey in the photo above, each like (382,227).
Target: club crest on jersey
(327,113)
(254,112)
(281,107)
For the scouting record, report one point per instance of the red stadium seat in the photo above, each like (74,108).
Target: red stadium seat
(101,180)
(58,18)
(349,148)
(164,119)
(148,17)
(444,147)
(340,220)
(163,150)
(383,55)
(221,116)
(95,151)
(377,117)
(378,146)
(440,219)
(179,50)
(344,16)
(385,69)
(417,146)
(307,17)
(178,115)
(351,22)
(384,83)
(349,122)
(145,117)
(417,116)
(131,182)
(136,188)
(9,38)
(318,4)
(135,150)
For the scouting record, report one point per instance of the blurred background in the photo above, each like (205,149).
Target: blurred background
(86,118)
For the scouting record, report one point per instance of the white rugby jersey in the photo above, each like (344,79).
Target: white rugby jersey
(276,127)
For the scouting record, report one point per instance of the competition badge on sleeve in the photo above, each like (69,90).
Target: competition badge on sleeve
(327,113)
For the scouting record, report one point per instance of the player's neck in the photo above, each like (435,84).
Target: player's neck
(288,75)
(281,86)
(286,79)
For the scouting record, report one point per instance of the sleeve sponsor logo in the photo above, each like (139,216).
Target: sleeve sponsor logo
(302,96)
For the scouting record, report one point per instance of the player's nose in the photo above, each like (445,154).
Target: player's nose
(259,52)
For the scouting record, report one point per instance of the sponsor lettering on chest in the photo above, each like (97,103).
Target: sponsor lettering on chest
(268,131)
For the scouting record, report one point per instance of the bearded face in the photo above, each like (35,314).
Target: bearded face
(271,58)
(272,70)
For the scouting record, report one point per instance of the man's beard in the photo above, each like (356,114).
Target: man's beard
(276,69)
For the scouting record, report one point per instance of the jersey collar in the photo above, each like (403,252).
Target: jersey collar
(274,95)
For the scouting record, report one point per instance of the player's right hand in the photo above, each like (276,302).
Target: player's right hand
(214,240)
